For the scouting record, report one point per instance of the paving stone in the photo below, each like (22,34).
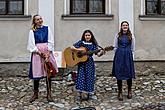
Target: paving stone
(148,93)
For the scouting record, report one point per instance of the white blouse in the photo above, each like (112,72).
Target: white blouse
(31,41)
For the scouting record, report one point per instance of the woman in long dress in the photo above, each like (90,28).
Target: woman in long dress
(123,64)
(41,46)
(86,70)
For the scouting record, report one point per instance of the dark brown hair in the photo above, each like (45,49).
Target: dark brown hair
(93,40)
(129,34)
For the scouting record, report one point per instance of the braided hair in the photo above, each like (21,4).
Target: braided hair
(34,28)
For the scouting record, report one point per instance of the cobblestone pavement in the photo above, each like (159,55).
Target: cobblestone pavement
(148,94)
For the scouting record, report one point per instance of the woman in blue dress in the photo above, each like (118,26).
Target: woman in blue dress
(40,44)
(86,70)
(123,65)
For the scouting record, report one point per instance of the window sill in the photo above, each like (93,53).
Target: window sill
(87,17)
(152,17)
(15,17)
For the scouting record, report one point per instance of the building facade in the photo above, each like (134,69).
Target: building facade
(69,18)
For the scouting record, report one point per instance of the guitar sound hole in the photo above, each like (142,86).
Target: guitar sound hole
(73,56)
(80,54)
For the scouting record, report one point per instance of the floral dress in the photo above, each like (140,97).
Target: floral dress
(86,70)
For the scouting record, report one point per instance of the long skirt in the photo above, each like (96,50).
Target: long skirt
(123,64)
(86,76)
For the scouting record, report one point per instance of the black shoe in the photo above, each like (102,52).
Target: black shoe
(49,98)
(78,98)
(34,97)
(129,96)
(92,97)
(120,96)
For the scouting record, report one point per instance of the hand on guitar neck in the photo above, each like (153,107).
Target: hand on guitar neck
(103,51)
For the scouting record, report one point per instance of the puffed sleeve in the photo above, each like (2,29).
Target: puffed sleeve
(78,44)
(115,42)
(50,40)
(31,42)
(133,45)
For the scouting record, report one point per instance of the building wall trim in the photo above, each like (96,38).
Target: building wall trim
(151,18)
(126,13)
(46,10)
(15,17)
(87,17)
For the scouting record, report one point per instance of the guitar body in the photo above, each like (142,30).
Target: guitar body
(72,58)
(80,55)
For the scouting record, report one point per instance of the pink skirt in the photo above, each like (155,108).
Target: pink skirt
(37,63)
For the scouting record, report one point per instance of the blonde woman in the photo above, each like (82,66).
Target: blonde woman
(41,45)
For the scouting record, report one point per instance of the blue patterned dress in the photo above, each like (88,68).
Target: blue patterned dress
(123,65)
(86,70)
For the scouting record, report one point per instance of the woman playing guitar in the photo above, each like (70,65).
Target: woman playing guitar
(86,70)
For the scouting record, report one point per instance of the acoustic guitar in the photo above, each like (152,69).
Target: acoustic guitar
(73,57)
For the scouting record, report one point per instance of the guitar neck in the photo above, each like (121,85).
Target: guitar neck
(92,52)
(96,51)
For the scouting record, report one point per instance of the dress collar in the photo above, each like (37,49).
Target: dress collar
(88,43)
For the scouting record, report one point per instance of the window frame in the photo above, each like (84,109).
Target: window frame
(87,9)
(107,16)
(7,7)
(158,10)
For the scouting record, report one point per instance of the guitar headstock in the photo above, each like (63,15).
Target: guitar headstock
(109,48)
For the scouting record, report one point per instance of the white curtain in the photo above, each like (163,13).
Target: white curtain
(95,6)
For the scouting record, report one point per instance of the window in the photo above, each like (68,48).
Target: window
(11,7)
(155,7)
(87,6)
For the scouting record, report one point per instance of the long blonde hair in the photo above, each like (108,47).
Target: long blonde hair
(34,28)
